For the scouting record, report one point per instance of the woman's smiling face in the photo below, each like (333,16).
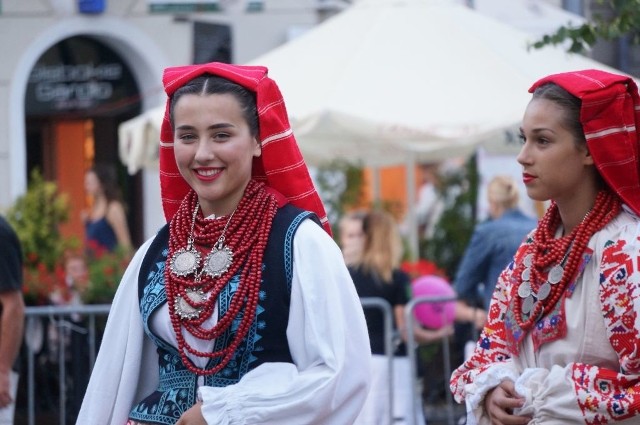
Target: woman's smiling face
(214,149)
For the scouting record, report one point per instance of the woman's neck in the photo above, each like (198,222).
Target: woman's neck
(573,212)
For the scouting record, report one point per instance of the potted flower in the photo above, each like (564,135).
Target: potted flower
(36,217)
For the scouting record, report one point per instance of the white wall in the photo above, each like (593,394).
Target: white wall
(148,43)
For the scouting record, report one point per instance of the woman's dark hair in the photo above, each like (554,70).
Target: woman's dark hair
(569,103)
(108,179)
(212,84)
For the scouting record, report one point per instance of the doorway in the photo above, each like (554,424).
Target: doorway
(79,91)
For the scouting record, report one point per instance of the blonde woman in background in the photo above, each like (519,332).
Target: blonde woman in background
(490,250)
(351,236)
(378,274)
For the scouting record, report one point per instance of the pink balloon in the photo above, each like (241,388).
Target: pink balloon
(437,314)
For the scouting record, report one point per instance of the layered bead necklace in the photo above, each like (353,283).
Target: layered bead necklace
(558,258)
(233,246)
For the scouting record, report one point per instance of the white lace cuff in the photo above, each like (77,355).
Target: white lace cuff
(529,385)
(220,410)
(482,384)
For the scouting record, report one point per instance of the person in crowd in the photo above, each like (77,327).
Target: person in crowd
(429,203)
(12,312)
(72,330)
(76,279)
(492,247)
(561,340)
(351,236)
(377,275)
(240,309)
(105,223)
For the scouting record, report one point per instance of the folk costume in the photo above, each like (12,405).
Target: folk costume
(563,321)
(253,314)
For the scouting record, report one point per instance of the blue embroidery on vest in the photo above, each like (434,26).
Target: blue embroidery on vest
(288,246)
(177,387)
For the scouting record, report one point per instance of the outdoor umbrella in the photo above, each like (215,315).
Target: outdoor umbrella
(431,79)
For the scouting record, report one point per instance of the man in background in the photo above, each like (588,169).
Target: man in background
(11,318)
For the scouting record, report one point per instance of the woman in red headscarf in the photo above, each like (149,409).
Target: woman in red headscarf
(240,309)
(562,340)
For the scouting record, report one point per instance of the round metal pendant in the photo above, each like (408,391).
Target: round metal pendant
(526,274)
(555,274)
(184,262)
(527,304)
(544,291)
(524,289)
(184,309)
(218,261)
(528,260)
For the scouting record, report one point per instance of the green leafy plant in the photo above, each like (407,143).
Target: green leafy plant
(105,272)
(453,230)
(340,183)
(622,21)
(36,217)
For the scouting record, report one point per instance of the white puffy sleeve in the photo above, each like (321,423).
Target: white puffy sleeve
(329,379)
(126,365)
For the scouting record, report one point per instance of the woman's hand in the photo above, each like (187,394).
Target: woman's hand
(500,402)
(192,416)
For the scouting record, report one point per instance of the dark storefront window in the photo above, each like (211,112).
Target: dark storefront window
(211,43)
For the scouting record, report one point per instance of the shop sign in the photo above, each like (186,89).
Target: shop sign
(67,83)
(173,6)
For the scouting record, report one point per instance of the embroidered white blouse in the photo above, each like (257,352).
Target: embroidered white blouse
(591,375)
(327,383)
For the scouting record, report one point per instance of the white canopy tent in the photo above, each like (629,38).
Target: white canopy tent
(431,78)
(389,82)
(388,79)
(139,138)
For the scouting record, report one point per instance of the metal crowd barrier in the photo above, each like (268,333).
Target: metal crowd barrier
(411,350)
(385,307)
(59,316)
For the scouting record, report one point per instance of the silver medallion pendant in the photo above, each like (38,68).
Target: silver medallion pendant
(524,289)
(555,274)
(528,304)
(184,309)
(526,274)
(184,262)
(218,261)
(544,291)
(528,260)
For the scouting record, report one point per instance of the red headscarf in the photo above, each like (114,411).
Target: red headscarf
(281,164)
(609,115)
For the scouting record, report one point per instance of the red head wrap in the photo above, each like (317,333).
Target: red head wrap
(609,115)
(281,164)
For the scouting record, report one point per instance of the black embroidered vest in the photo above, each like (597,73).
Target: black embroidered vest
(266,340)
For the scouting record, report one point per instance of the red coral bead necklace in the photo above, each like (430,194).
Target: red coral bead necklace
(551,263)
(235,247)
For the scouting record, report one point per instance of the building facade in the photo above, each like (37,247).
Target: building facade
(73,70)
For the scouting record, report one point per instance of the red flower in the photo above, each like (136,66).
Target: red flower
(421,267)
